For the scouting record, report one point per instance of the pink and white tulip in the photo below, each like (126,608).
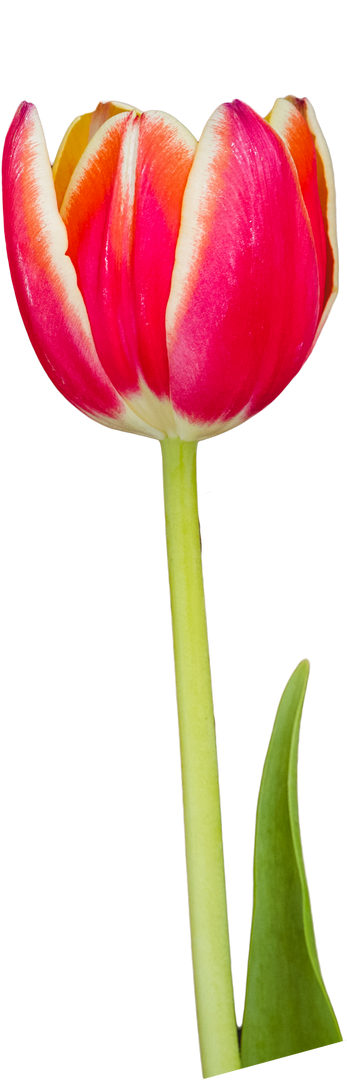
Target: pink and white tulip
(171,287)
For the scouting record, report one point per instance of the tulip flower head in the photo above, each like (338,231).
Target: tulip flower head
(172,287)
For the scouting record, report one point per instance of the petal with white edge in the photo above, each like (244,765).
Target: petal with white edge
(45,283)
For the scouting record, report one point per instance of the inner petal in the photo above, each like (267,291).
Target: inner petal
(77,135)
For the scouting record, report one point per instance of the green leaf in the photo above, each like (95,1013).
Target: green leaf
(287,1009)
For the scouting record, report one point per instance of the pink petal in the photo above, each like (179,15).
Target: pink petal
(244,301)
(44,279)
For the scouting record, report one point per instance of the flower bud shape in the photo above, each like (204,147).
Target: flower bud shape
(171,287)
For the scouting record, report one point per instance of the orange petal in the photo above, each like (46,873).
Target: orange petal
(291,126)
(292,132)
(122,211)
(76,136)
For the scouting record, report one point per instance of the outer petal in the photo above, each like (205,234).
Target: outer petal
(244,302)
(291,125)
(44,279)
(122,212)
(329,200)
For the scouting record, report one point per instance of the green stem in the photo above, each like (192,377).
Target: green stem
(202,818)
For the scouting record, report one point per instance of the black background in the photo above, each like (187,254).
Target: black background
(94,880)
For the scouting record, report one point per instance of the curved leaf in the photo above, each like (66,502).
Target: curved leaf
(287,1008)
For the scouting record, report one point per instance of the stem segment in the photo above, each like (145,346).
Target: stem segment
(202,818)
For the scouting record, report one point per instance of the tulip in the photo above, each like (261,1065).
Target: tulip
(173,288)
